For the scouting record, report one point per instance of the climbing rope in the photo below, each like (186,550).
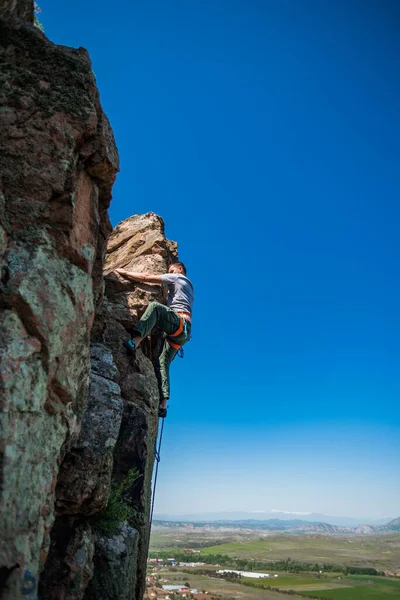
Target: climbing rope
(158,458)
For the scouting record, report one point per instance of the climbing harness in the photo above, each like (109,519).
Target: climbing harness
(157,458)
(182,327)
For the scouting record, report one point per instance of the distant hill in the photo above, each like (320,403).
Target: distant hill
(293,526)
(394,525)
(272,516)
(336,529)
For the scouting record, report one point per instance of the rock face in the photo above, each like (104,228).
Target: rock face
(118,433)
(17,10)
(115,566)
(77,414)
(58,165)
(84,478)
(71,567)
(138,244)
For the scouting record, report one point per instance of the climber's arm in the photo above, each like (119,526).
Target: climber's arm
(145,277)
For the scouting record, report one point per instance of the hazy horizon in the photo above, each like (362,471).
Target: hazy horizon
(261,514)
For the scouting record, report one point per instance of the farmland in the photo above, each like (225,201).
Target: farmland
(319,566)
(381,552)
(303,585)
(361,588)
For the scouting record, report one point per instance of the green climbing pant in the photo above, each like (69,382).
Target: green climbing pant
(168,321)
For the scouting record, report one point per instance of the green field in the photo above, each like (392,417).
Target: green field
(364,588)
(303,584)
(296,581)
(380,552)
(336,587)
(224,588)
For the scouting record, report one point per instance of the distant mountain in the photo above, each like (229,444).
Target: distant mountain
(293,526)
(246,524)
(338,530)
(263,516)
(394,525)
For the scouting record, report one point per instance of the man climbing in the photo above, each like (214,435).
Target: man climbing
(175,320)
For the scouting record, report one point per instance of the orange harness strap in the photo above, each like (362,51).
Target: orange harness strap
(176,346)
(177,332)
(180,328)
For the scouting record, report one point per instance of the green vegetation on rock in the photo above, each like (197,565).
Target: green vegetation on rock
(118,508)
(36,21)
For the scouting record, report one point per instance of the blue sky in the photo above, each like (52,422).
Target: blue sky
(267,136)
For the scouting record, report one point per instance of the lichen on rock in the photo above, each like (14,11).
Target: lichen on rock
(58,166)
(77,413)
(115,561)
(83,481)
(71,568)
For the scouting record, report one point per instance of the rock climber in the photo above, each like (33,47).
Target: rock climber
(175,320)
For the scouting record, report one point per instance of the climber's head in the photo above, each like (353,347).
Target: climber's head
(177,267)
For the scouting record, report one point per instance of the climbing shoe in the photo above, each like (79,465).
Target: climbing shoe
(162,412)
(130,346)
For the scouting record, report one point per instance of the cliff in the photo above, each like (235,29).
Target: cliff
(79,418)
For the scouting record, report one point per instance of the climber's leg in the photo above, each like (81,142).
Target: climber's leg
(155,314)
(162,365)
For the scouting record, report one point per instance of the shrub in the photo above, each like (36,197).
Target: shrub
(36,22)
(118,508)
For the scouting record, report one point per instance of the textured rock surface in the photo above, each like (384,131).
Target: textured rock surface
(115,566)
(84,479)
(71,568)
(124,303)
(138,243)
(17,10)
(58,165)
(61,442)
(123,402)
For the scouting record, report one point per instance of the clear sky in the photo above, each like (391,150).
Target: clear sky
(267,135)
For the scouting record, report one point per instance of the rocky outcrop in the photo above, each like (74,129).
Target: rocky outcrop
(58,165)
(77,414)
(138,244)
(17,10)
(118,432)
